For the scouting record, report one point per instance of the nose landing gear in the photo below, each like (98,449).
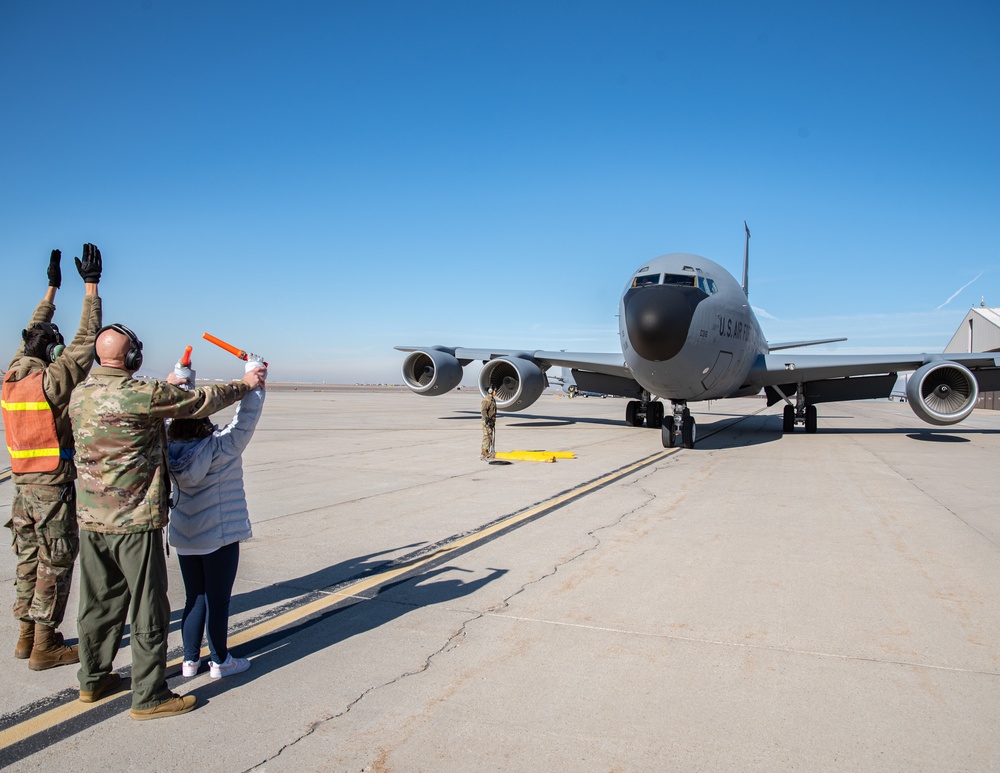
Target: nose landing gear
(680,424)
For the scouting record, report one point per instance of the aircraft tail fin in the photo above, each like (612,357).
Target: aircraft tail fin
(746,261)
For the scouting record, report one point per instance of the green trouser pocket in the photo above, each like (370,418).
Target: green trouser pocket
(58,528)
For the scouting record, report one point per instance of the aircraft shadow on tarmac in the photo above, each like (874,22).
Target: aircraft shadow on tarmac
(534,420)
(951,435)
(390,602)
(709,437)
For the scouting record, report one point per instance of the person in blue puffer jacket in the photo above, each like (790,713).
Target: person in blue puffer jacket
(208,520)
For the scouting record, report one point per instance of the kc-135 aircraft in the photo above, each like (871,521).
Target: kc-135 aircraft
(688,333)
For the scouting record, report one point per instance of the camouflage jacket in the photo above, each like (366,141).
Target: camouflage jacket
(58,381)
(121,446)
(488,408)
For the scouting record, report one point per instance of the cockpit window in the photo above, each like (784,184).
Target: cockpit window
(679,279)
(706,285)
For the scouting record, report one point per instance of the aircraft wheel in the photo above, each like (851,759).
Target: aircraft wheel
(632,416)
(689,432)
(667,433)
(654,415)
(810,419)
(788,419)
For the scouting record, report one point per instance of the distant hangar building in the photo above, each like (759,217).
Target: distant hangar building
(979,332)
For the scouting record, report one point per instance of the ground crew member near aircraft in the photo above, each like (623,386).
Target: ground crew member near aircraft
(489,412)
(36,393)
(123,494)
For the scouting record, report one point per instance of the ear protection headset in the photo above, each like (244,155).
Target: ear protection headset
(133,358)
(54,349)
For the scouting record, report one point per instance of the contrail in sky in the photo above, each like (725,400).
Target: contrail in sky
(952,296)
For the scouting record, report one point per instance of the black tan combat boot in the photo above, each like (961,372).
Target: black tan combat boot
(26,640)
(49,650)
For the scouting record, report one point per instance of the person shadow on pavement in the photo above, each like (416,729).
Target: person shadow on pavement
(355,617)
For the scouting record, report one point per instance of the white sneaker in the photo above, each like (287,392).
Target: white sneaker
(228,668)
(190,667)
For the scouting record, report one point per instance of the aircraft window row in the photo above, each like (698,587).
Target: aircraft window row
(706,285)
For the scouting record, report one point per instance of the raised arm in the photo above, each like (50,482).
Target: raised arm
(46,307)
(232,440)
(74,364)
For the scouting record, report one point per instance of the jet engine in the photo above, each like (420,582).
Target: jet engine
(516,382)
(431,372)
(942,392)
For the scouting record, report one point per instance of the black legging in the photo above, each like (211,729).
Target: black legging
(208,587)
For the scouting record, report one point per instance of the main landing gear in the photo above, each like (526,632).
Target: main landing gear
(801,413)
(645,410)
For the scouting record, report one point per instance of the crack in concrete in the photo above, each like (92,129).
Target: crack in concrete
(316,724)
(460,633)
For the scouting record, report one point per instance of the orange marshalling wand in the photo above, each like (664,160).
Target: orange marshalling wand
(228,347)
(186,357)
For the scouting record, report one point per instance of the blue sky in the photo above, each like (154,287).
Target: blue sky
(319,181)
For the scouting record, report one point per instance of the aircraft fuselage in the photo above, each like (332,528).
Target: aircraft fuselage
(687,329)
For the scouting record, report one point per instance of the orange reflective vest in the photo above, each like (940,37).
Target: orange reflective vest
(30,425)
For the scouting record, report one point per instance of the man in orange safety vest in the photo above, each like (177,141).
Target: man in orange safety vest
(35,401)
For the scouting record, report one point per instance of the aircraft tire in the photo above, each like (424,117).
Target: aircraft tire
(667,433)
(654,415)
(811,422)
(689,432)
(788,419)
(632,416)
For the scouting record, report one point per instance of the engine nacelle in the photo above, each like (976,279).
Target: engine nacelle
(431,372)
(942,392)
(516,382)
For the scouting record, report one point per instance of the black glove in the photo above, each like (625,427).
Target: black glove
(55,273)
(90,266)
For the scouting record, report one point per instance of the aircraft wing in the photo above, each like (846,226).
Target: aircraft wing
(596,362)
(518,375)
(774,369)
(797,344)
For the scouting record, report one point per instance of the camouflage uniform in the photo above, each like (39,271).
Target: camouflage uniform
(43,512)
(123,499)
(489,411)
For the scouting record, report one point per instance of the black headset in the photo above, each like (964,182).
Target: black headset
(133,358)
(54,349)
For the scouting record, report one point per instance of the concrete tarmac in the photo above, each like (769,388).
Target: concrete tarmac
(762,602)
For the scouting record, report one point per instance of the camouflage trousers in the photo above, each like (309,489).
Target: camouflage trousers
(46,542)
(487,438)
(124,576)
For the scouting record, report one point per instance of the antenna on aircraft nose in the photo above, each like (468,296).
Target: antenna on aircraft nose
(746,261)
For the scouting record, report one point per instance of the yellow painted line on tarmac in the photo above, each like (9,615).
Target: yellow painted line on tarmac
(52,717)
(5,475)
(535,456)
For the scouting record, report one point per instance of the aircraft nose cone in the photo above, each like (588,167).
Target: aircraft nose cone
(658,318)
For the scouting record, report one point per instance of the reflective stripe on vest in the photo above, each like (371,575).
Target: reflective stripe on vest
(30,425)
